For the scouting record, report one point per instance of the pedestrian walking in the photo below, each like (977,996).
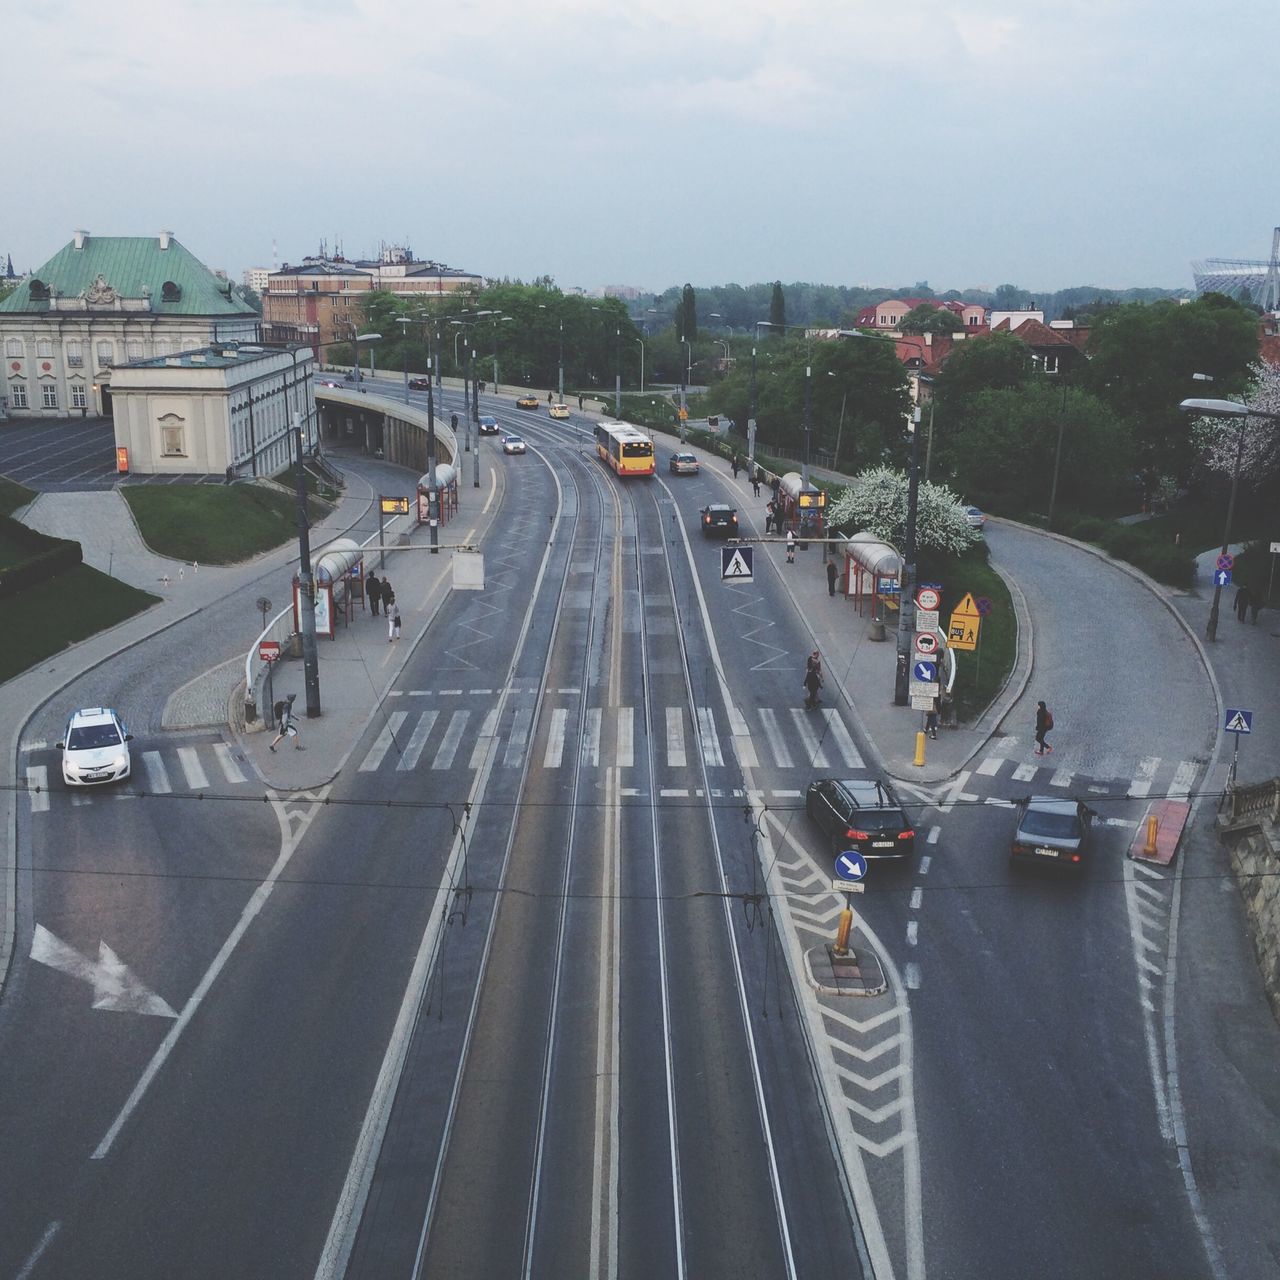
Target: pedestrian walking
(832,574)
(931,718)
(548,397)
(284,721)
(579,401)
(736,464)
(393,622)
(373,591)
(1044,722)
(1244,598)
(756,477)
(1254,605)
(768,516)
(388,596)
(813,663)
(791,546)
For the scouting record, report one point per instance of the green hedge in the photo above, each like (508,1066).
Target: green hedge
(28,557)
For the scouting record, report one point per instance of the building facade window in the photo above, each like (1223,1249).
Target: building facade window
(134,350)
(75,357)
(44,349)
(171,442)
(49,394)
(162,346)
(1051,364)
(104,354)
(18,395)
(79,398)
(13,347)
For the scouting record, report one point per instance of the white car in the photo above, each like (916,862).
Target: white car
(95,747)
(512,444)
(976,518)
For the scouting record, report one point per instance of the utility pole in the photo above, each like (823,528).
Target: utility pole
(617,385)
(433,491)
(306,585)
(475,422)
(751,411)
(906,594)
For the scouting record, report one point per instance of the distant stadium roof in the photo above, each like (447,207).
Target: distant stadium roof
(1232,276)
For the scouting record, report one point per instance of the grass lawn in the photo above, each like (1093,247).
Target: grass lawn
(981,673)
(13,496)
(53,614)
(214,524)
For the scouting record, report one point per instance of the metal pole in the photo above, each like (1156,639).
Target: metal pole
(617,383)
(928,454)
(684,411)
(808,422)
(1211,630)
(641,342)
(466,399)
(560,385)
(840,432)
(751,412)
(306,585)
(475,421)
(433,492)
(906,597)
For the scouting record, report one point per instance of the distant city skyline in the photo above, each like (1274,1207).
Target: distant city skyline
(1080,144)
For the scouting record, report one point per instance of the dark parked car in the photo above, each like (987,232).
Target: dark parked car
(719,520)
(1053,832)
(419,384)
(861,814)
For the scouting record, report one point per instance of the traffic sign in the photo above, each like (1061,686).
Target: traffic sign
(848,886)
(268,650)
(922,701)
(887,586)
(926,642)
(1238,721)
(1222,577)
(962,630)
(394,506)
(850,865)
(928,599)
(1275,548)
(985,605)
(924,672)
(1226,561)
(926,620)
(737,564)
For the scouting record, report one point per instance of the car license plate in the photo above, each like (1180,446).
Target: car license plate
(882,844)
(1046,853)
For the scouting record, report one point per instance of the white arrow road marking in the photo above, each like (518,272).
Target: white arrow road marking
(114,985)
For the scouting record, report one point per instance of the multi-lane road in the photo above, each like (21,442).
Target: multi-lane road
(521,992)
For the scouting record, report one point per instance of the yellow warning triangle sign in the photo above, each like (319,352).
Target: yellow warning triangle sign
(966,608)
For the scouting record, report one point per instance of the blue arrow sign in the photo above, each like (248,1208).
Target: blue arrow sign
(1238,721)
(1222,577)
(925,672)
(851,865)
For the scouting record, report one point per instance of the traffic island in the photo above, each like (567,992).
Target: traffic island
(1160,831)
(859,973)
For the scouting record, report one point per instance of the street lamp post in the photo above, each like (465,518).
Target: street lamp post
(686,373)
(1232,409)
(475,422)
(906,589)
(641,342)
(808,422)
(306,583)
(617,377)
(751,411)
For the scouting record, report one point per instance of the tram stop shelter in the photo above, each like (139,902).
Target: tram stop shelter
(337,572)
(872,575)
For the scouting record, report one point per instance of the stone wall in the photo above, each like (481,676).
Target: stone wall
(1255,859)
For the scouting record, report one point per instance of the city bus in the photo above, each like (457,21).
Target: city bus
(628,451)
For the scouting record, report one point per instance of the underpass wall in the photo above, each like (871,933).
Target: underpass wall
(1255,860)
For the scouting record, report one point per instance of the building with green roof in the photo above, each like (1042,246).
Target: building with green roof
(101,302)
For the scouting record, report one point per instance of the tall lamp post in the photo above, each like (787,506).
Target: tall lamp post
(906,596)
(617,377)
(1234,410)
(641,342)
(686,373)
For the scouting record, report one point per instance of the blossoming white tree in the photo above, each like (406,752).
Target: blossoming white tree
(1218,438)
(876,502)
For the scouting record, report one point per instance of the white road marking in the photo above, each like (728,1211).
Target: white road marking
(912,932)
(813,752)
(773,735)
(998,803)
(444,693)
(191,766)
(1025,772)
(711,754)
(630,791)
(1145,775)
(676,793)
(452,737)
(488,728)
(917,897)
(741,735)
(991,766)
(157,774)
(850,754)
(417,740)
(38,787)
(28,1267)
(590,753)
(382,744)
(115,986)
(227,763)
(955,792)
(1180,787)
(1062,778)
(555,739)
(911,975)
(36,744)
(934,833)
(519,736)
(626,749)
(675,738)
(925,862)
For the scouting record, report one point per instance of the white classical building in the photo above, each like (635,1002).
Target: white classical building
(228,409)
(102,301)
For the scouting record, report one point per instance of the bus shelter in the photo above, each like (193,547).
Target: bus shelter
(446,494)
(337,569)
(872,575)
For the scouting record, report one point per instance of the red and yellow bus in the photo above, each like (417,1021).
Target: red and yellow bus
(628,451)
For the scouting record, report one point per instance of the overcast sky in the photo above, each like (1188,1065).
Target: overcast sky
(650,142)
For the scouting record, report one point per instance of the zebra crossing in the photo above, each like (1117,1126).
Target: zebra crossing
(1111,776)
(788,738)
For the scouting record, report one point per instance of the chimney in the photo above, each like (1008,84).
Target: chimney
(164,239)
(79,237)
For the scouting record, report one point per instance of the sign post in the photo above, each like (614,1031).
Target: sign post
(1236,721)
(850,870)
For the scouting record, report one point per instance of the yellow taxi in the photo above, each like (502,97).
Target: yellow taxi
(558,410)
(527,402)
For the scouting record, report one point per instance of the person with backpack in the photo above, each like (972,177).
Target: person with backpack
(813,684)
(388,596)
(1044,722)
(284,719)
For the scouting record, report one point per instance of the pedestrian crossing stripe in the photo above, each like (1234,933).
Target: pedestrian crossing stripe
(736,564)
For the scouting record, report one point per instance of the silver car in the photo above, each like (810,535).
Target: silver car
(1053,832)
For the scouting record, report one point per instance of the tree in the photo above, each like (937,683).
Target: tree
(687,316)
(778,309)
(1256,439)
(876,502)
(993,362)
(926,318)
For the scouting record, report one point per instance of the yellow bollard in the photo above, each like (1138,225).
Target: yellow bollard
(842,932)
(1153,825)
(919,760)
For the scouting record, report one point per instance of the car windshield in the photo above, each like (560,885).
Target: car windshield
(93,737)
(1062,826)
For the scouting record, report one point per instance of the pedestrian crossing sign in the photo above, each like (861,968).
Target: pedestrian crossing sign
(1238,721)
(737,564)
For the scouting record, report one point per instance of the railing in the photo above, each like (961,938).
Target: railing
(1251,806)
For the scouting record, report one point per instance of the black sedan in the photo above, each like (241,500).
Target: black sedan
(719,520)
(1052,832)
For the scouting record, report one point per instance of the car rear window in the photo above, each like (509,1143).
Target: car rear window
(641,450)
(880,819)
(1064,826)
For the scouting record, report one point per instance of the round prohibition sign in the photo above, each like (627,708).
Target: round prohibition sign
(1226,561)
(926,642)
(928,599)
